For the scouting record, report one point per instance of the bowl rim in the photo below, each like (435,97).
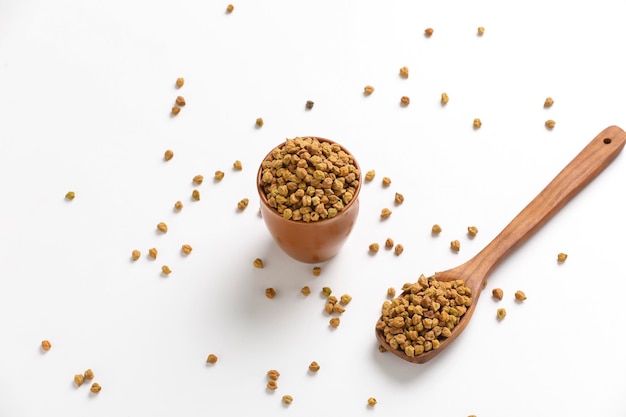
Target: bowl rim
(272,210)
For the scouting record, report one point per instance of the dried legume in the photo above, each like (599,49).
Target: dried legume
(405,100)
(168,155)
(309,105)
(369,175)
(455,245)
(548,102)
(287,399)
(389,243)
(79,379)
(219,175)
(386,181)
(212,358)
(242,204)
(166,270)
(270,292)
(95,388)
(472,231)
(481,31)
(259,122)
(385,213)
(334,322)
(180,82)
(162,227)
(314,367)
(550,124)
(153,252)
(195,195)
(497,293)
(175,110)
(317,270)
(135,255)
(404,72)
(436,229)
(520,296)
(198,179)
(477,123)
(371,401)
(46,345)
(501,313)
(306,291)
(258,263)
(398,249)
(178,205)
(70,195)
(368,89)
(444,98)
(428,32)
(186,249)
(180,101)
(88,374)
(561,257)
(374,247)
(238,165)
(230,8)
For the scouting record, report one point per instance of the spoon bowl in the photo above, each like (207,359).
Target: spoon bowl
(592,160)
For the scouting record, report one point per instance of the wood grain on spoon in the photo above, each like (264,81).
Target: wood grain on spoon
(592,160)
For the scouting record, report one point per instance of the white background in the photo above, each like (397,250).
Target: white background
(86,88)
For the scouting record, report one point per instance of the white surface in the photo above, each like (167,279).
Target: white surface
(86,90)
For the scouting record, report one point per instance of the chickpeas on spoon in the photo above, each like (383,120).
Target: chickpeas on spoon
(592,160)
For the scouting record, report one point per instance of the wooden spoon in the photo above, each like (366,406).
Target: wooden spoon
(592,160)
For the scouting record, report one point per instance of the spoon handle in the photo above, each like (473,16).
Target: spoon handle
(592,160)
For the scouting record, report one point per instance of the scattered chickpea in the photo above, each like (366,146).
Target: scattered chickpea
(326,291)
(309,104)
(338,309)
(242,204)
(548,103)
(369,175)
(472,231)
(230,8)
(198,179)
(287,399)
(46,345)
(95,388)
(186,249)
(166,270)
(391,292)
(374,247)
(404,72)
(497,293)
(334,322)
(477,123)
(368,90)
(398,199)
(444,98)
(386,181)
(561,257)
(212,358)
(219,175)
(259,122)
(70,195)
(79,379)
(371,401)
(520,296)
(272,385)
(501,313)
(405,101)
(88,374)
(180,82)
(385,213)
(237,165)
(455,245)
(436,229)
(481,31)
(428,32)
(382,349)
(153,252)
(398,249)
(306,291)
(135,254)
(317,270)
(178,205)
(180,101)
(162,227)
(273,374)
(270,292)
(195,195)
(345,299)
(314,367)
(258,263)
(550,124)
(389,243)
(168,155)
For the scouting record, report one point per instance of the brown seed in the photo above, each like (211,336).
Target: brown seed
(230,8)
(501,313)
(385,213)
(398,199)
(168,155)
(428,32)
(273,374)
(550,124)
(326,291)
(369,175)
(314,367)
(88,374)
(270,292)
(95,388)
(180,100)
(198,179)
(309,105)
(212,358)
(561,257)
(404,72)
(455,245)
(480,31)
(386,181)
(389,243)
(345,299)
(272,385)
(338,309)
(472,231)
(334,322)
(391,292)
(548,102)
(306,291)
(259,122)
(186,249)
(152,252)
(368,90)
(70,195)
(237,165)
(136,254)
(436,229)
(317,270)
(178,205)
(374,247)
(162,227)
(258,263)
(497,293)
(46,345)
(520,296)
(477,123)
(382,349)
(287,399)
(371,401)
(398,249)
(79,379)
(405,101)
(175,110)
(219,175)
(444,98)
(166,270)
(195,195)
(180,82)
(242,204)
